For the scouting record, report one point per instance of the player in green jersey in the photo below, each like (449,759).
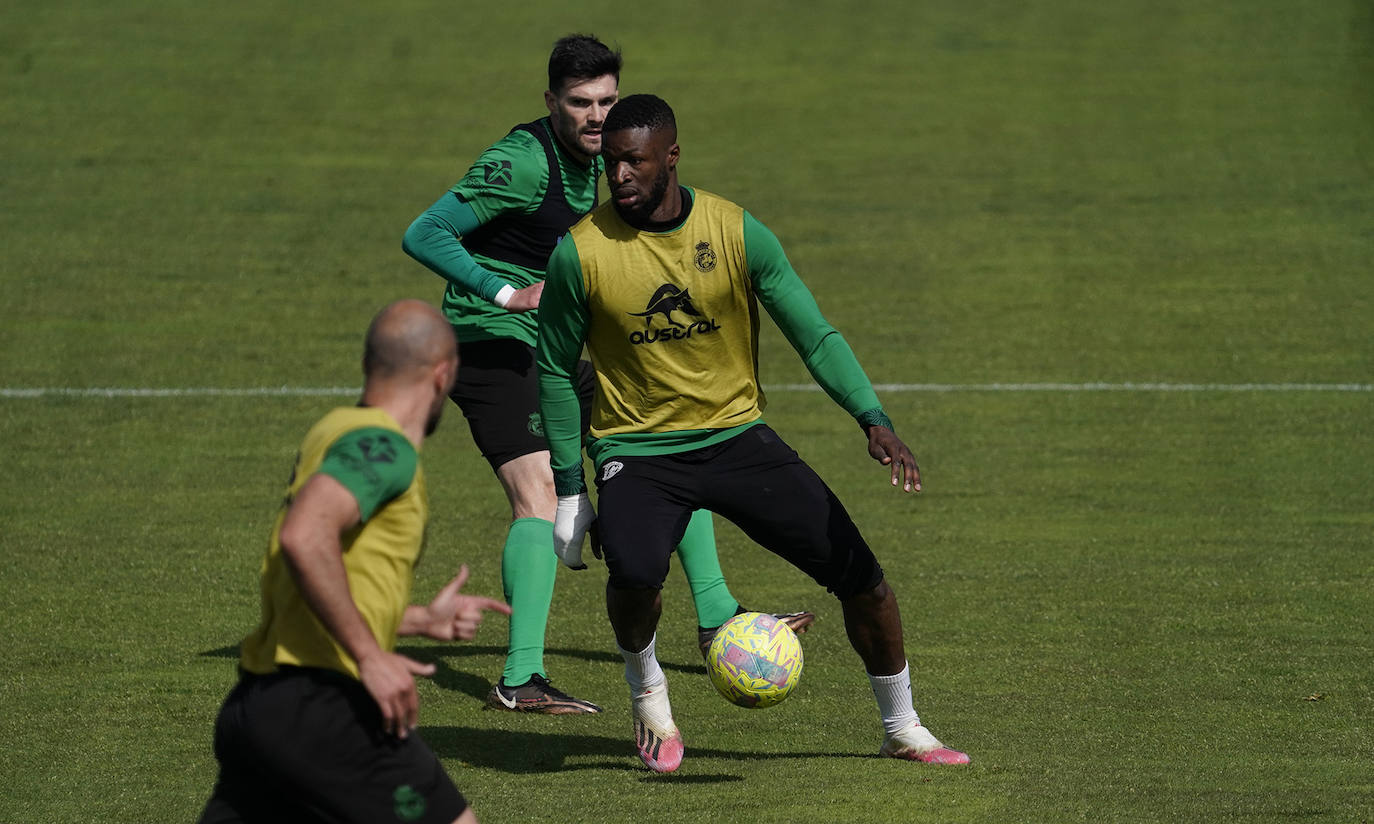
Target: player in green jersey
(319,726)
(662,286)
(490,237)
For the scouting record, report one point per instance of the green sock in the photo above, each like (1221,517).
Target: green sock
(528,567)
(697,551)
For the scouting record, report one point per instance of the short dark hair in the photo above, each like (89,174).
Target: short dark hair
(581,57)
(640,111)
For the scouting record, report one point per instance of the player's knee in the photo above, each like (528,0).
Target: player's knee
(861,578)
(875,594)
(634,564)
(637,580)
(531,493)
(534,504)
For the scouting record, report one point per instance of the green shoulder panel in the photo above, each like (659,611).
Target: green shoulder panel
(374,464)
(508,177)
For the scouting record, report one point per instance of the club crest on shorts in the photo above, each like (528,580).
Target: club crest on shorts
(705,258)
(409,804)
(609,469)
(535,425)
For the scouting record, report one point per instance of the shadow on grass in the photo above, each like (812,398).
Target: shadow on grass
(465,681)
(427,652)
(470,683)
(541,752)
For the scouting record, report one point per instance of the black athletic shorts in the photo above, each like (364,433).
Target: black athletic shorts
(498,391)
(306,745)
(754,480)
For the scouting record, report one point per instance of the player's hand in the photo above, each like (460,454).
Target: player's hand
(888,450)
(452,615)
(390,680)
(527,299)
(570,524)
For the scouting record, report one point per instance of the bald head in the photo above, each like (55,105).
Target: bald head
(408,337)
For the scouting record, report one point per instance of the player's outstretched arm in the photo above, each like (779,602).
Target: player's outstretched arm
(450,615)
(793,308)
(889,450)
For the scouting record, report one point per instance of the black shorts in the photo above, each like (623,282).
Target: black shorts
(498,391)
(306,745)
(754,480)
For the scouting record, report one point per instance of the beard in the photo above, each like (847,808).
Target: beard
(435,413)
(640,213)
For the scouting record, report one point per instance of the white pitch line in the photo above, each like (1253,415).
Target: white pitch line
(339,391)
(185,392)
(1126,387)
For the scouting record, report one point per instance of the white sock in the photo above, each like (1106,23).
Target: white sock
(641,668)
(894,699)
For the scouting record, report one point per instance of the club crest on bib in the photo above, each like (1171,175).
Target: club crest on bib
(705,258)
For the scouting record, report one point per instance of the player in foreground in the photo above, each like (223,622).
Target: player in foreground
(490,237)
(661,285)
(320,726)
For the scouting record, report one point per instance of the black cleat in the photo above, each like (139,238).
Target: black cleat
(537,695)
(799,622)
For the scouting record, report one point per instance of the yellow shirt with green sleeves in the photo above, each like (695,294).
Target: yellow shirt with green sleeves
(366,451)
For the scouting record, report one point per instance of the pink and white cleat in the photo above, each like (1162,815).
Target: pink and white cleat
(915,743)
(656,736)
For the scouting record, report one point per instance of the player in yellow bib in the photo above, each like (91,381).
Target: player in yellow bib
(663,286)
(320,725)
(365,451)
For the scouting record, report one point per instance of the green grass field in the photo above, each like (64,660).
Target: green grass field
(1129,604)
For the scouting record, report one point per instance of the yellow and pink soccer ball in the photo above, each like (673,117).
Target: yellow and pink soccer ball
(754,660)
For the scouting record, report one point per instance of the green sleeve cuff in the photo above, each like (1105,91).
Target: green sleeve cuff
(569,481)
(874,417)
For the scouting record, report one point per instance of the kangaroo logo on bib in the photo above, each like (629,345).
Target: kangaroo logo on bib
(667,300)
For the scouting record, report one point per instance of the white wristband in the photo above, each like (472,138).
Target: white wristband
(503,297)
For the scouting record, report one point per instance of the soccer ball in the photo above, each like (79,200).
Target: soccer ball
(755,660)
